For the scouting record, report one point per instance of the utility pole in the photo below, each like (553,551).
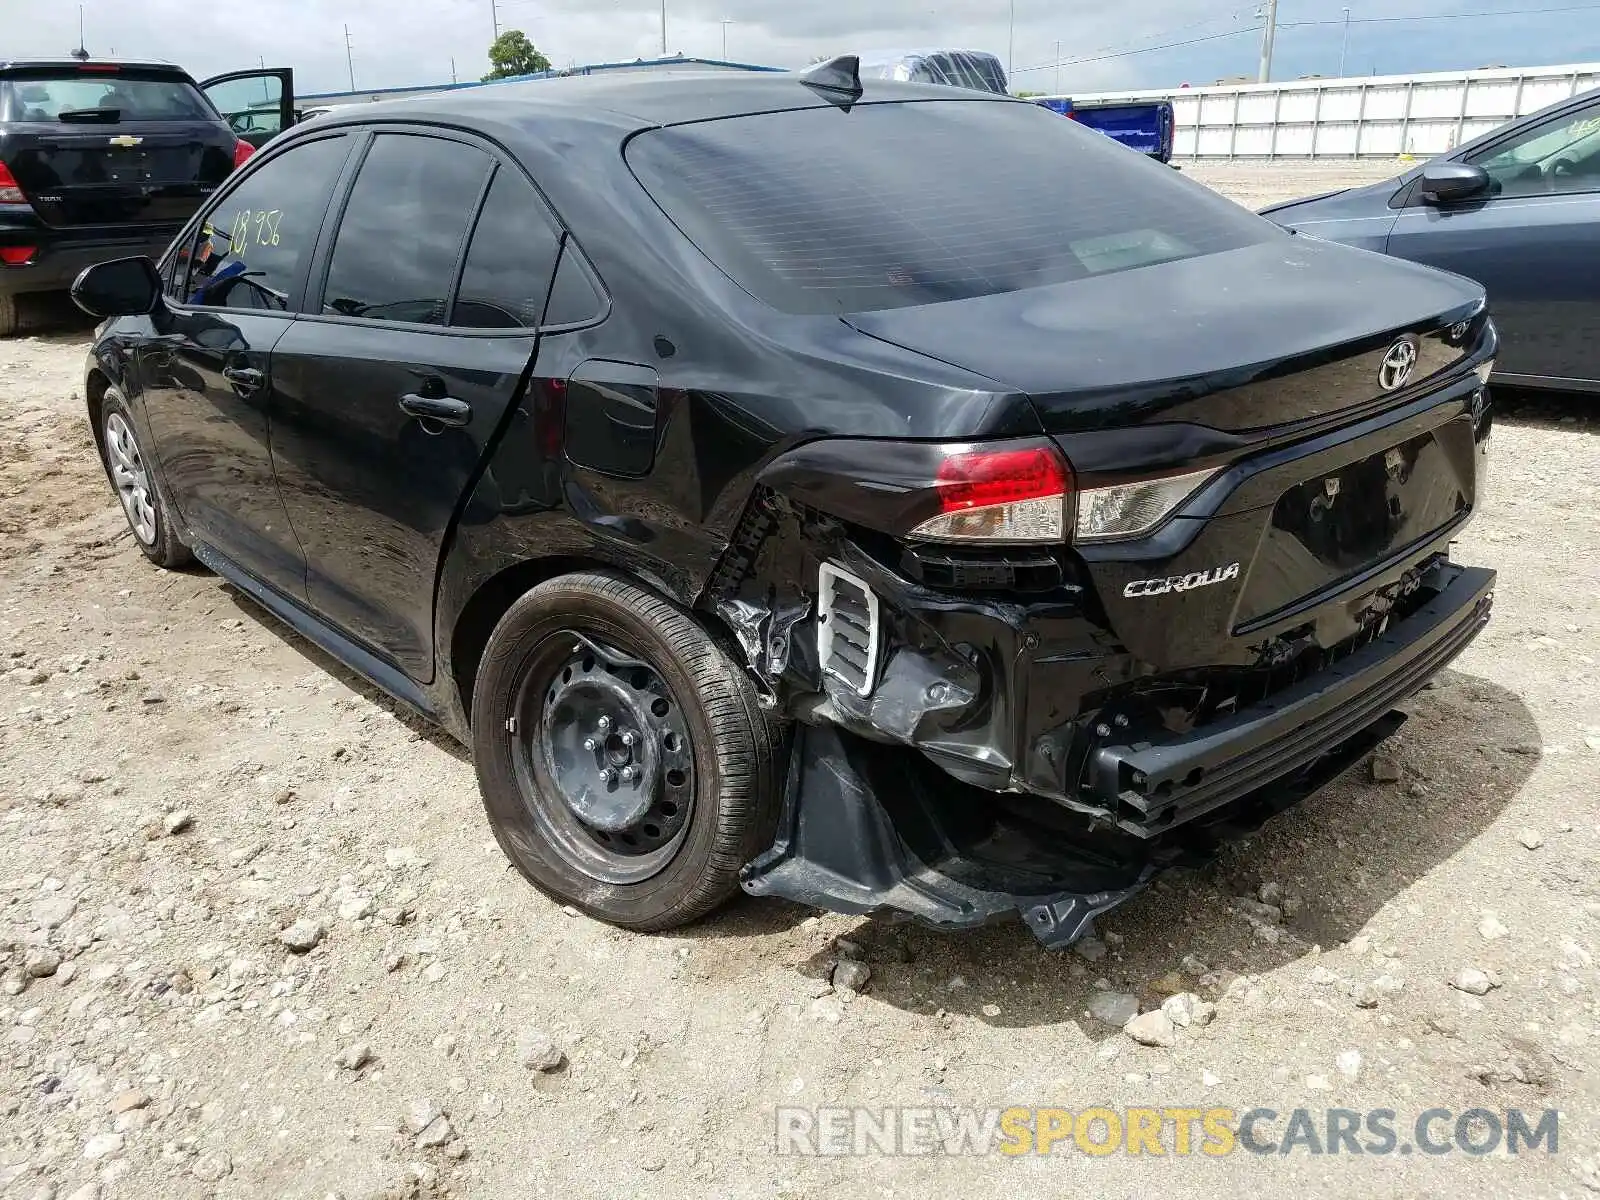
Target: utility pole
(453,78)
(1011,52)
(663,28)
(1058,68)
(725,23)
(349,58)
(1268,35)
(494,15)
(1345,49)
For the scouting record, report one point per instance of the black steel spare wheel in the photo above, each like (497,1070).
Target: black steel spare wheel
(604,758)
(624,761)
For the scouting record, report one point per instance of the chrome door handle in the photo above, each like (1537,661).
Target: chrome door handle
(246,379)
(443,410)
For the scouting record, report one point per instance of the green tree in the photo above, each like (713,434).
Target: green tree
(513,54)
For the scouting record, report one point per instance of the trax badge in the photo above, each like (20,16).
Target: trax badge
(1398,364)
(1181,583)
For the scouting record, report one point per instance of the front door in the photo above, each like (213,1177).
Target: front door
(207,377)
(258,105)
(391,393)
(1534,243)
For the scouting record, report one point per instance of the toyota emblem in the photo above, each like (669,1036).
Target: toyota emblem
(1398,364)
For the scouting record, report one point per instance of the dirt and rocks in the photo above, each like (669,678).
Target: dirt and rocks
(256,939)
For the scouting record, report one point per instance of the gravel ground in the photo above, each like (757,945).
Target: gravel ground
(256,939)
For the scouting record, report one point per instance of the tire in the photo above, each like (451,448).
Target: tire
(9,320)
(526,757)
(135,485)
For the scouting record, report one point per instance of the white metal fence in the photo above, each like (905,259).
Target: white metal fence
(1383,116)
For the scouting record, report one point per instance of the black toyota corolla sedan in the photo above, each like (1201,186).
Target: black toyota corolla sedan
(895,499)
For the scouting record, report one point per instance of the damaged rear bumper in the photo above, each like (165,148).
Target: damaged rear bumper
(1151,786)
(865,828)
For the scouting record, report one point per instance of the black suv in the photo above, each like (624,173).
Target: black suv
(99,160)
(892,499)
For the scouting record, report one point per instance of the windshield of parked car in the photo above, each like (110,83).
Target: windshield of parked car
(93,96)
(891,205)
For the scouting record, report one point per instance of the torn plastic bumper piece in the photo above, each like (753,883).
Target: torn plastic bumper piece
(1152,786)
(867,828)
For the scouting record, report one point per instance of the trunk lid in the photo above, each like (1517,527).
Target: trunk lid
(1265,335)
(1335,478)
(118,175)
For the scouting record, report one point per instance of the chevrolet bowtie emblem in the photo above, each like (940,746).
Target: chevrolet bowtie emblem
(125,141)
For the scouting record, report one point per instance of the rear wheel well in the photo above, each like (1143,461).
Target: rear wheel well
(493,599)
(489,603)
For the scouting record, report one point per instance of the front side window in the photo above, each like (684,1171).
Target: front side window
(1561,155)
(253,105)
(250,249)
(394,258)
(924,202)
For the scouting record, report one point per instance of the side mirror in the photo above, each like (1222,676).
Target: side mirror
(124,287)
(1448,182)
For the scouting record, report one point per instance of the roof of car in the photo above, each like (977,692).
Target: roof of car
(641,100)
(72,64)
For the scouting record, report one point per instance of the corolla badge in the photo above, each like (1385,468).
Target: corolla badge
(1182,583)
(1398,364)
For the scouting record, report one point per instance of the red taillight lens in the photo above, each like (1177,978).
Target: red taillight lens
(16,256)
(241,153)
(100,69)
(982,478)
(1001,496)
(10,193)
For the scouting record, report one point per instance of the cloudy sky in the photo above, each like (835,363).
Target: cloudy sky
(1105,45)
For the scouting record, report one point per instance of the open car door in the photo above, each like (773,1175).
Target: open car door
(258,105)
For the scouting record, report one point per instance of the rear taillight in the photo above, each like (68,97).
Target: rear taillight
(17,256)
(10,193)
(242,151)
(1019,495)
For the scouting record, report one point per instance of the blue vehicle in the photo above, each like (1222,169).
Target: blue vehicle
(1147,128)
(1518,210)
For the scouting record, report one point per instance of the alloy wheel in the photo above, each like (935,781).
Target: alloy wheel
(131,479)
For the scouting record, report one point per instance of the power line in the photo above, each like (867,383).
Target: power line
(1129,51)
(1067,62)
(1134,47)
(1504,12)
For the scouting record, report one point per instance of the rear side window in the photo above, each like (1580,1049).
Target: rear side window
(513,255)
(403,230)
(73,97)
(888,205)
(250,249)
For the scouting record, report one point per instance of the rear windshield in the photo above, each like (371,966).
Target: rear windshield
(889,205)
(73,96)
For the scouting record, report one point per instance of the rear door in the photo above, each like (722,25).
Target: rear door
(258,105)
(392,386)
(103,144)
(1534,244)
